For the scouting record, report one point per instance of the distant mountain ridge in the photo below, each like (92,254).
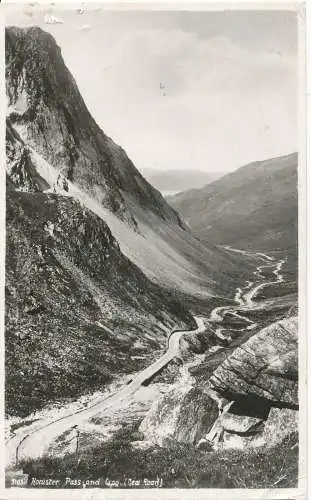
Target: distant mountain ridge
(179,180)
(253,208)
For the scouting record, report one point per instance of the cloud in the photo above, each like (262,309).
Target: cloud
(50,19)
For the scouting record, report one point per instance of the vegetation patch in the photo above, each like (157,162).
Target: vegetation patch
(179,467)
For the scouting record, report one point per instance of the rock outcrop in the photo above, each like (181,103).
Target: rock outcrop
(266,366)
(249,400)
(280,423)
(21,171)
(184,415)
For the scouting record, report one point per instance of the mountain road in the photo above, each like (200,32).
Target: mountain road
(36,443)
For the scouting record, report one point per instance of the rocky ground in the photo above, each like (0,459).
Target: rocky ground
(251,392)
(196,431)
(75,306)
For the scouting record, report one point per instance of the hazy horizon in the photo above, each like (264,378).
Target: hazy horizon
(209,91)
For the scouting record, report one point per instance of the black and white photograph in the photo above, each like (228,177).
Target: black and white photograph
(152,307)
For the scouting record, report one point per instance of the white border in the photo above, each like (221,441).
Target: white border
(2,240)
(304,271)
(187,5)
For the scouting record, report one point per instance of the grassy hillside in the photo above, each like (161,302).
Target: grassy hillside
(253,208)
(183,467)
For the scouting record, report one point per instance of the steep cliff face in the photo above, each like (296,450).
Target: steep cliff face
(50,133)
(75,306)
(45,102)
(20,168)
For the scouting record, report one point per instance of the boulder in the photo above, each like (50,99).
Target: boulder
(177,417)
(281,423)
(198,412)
(264,367)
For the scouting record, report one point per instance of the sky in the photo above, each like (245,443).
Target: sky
(183,90)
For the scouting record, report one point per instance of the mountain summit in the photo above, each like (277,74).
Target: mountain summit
(47,107)
(54,145)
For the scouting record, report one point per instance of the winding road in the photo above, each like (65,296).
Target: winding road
(245,296)
(36,443)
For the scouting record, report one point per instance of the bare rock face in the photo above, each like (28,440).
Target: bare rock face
(21,172)
(232,440)
(245,432)
(44,103)
(266,366)
(241,431)
(197,414)
(240,424)
(280,423)
(182,415)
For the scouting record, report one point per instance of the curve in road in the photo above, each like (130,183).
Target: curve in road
(245,296)
(36,443)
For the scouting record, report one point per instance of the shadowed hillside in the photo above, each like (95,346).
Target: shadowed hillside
(253,208)
(75,306)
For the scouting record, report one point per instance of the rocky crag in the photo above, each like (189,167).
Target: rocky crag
(250,399)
